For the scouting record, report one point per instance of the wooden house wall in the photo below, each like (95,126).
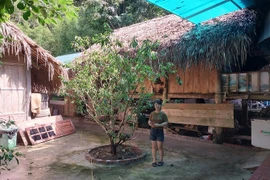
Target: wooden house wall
(197,82)
(14,89)
(149,86)
(196,79)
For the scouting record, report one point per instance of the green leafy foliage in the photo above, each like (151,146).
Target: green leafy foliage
(6,123)
(45,11)
(179,80)
(7,155)
(106,83)
(95,17)
(119,13)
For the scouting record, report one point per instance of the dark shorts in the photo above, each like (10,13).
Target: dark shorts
(157,134)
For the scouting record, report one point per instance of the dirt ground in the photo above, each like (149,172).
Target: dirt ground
(64,159)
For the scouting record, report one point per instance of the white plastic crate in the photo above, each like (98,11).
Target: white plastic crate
(8,137)
(260,133)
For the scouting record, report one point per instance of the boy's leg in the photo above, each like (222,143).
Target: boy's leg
(154,150)
(160,150)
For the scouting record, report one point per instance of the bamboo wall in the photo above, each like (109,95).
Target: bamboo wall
(13,89)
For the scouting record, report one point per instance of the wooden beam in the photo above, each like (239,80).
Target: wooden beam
(252,96)
(227,82)
(237,82)
(269,81)
(247,82)
(219,114)
(198,106)
(218,91)
(244,112)
(202,121)
(218,100)
(237,96)
(262,97)
(13,64)
(166,88)
(191,95)
(259,81)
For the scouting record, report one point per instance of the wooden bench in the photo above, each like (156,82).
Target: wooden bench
(263,171)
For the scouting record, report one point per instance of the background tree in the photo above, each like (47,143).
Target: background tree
(46,11)
(106,82)
(32,15)
(94,17)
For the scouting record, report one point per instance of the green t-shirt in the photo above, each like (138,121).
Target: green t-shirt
(159,117)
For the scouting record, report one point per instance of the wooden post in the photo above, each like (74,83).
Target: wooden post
(218,100)
(28,93)
(165,91)
(244,112)
(165,97)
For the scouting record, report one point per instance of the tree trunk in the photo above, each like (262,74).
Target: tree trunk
(113,149)
(113,146)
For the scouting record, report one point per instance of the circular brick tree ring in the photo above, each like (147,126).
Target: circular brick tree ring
(92,155)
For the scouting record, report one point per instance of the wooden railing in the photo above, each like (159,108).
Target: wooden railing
(253,82)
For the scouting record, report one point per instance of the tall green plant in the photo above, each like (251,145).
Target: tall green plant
(107,83)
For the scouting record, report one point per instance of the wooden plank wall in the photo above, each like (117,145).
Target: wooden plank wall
(196,79)
(69,108)
(13,88)
(148,85)
(216,115)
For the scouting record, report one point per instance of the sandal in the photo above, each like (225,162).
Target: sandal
(154,164)
(160,163)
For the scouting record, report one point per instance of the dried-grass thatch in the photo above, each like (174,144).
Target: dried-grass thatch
(45,68)
(225,40)
(222,41)
(167,30)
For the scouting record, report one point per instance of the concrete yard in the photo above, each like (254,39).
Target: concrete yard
(187,159)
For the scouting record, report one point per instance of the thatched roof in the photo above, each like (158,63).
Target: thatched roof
(45,68)
(217,42)
(167,30)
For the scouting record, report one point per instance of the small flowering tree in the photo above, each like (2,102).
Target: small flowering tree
(106,82)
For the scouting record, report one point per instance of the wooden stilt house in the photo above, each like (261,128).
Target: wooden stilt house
(200,54)
(204,55)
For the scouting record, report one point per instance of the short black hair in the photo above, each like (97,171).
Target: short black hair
(158,101)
